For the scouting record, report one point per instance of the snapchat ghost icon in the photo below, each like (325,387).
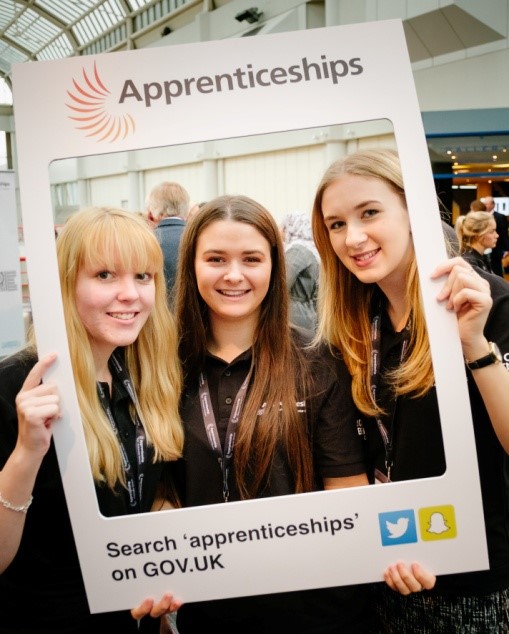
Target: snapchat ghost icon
(437,522)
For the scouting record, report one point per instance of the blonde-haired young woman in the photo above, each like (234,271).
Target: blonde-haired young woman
(123,348)
(371,309)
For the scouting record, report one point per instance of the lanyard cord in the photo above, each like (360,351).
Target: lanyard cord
(386,431)
(134,488)
(224,455)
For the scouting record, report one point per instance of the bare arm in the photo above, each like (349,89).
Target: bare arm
(493,384)
(468,295)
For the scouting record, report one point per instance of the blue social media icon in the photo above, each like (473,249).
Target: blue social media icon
(397,527)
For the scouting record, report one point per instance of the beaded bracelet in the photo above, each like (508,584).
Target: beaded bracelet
(22,508)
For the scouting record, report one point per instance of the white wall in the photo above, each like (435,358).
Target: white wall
(280,170)
(472,82)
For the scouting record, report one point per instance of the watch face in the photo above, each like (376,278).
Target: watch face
(495,350)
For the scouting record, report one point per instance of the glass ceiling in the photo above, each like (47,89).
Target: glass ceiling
(54,29)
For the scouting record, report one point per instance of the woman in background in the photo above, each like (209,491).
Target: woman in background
(302,269)
(477,235)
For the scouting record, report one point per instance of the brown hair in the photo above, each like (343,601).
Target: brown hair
(275,355)
(477,205)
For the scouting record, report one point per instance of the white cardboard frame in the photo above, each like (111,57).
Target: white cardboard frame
(243,565)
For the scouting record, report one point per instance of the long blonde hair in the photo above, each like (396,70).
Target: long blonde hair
(345,303)
(105,237)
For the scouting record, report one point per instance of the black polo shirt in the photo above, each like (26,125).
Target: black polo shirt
(337,448)
(338,451)
(45,573)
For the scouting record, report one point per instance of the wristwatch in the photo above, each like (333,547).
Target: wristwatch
(494,356)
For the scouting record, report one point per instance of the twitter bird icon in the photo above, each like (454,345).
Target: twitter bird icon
(397,527)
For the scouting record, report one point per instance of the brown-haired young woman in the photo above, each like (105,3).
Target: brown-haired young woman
(296,432)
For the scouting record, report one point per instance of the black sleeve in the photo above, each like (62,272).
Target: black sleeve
(503,232)
(13,372)
(337,446)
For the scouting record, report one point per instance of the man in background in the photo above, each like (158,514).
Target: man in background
(168,206)
(501,249)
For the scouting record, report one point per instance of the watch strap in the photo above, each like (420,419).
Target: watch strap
(489,359)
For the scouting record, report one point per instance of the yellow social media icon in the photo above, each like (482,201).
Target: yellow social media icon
(437,522)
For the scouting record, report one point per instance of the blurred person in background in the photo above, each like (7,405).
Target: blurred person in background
(501,249)
(477,234)
(302,269)
(167,206)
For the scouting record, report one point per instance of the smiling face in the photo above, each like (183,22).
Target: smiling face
(233,270)
(369,229)
(113,306)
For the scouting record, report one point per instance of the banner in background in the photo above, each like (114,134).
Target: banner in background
(12,328)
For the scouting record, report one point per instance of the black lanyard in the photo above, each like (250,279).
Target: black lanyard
(134,488)
(386,432)
(224,455)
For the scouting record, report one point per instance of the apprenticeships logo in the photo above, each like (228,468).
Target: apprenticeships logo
(93,110)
